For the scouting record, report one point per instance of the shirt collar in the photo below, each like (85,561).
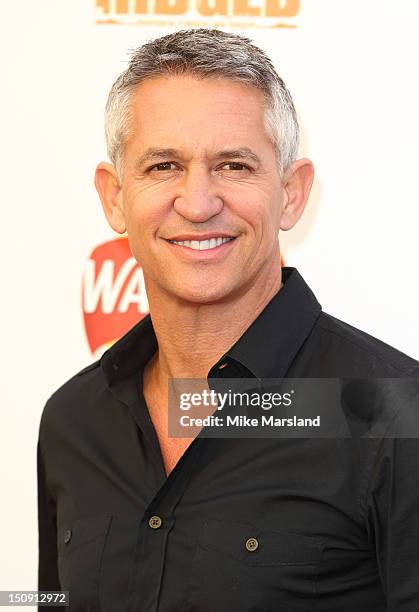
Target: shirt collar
(266,349)
(270,344)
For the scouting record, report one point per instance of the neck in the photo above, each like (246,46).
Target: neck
(192,337)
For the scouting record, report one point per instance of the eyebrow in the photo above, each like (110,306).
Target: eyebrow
(153,153)
(240,153)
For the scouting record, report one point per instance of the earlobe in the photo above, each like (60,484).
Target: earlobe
(297,184)
(110,194)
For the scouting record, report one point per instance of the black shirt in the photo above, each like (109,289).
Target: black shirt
(239,524)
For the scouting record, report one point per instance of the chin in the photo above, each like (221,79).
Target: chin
(203,294)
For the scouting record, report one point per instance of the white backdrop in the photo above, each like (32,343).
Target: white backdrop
(351,67)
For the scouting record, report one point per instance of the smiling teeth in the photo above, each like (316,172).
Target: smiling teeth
(201,245)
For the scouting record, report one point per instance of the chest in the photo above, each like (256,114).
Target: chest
(171,449)
(261,525)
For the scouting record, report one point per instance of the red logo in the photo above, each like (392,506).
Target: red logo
(113,294)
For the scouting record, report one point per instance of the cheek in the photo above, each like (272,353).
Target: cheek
(264,219)
(144,217)
(266,228)
(260,206)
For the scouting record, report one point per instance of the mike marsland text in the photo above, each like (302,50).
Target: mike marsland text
(244,421)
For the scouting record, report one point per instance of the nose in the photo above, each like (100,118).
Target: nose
(197,199)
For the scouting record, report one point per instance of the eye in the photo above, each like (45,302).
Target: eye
(162,166)
(236,166)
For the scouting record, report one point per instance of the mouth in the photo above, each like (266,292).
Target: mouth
(211,249)
(203,245)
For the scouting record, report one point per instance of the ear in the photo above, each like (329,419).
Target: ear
(110,193)
(297,183)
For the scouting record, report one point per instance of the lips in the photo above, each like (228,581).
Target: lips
(203,245)
(214,248)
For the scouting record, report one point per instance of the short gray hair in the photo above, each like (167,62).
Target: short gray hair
(203,53)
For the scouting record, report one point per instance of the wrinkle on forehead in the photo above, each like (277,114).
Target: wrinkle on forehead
(198,117)
(179,99)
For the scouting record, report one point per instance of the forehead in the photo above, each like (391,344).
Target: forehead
(189,107)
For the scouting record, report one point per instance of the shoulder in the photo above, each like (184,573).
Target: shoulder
(368,356)
(72,397)
(83,379)
(378,381)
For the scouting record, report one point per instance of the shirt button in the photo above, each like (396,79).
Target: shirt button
(155,522)
(67,536)
(252,544)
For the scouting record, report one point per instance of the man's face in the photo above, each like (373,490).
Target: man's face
(219,179)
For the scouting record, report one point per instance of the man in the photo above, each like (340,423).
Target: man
(203,138)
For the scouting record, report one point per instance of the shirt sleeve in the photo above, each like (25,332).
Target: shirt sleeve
(48,579)
(393,521)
